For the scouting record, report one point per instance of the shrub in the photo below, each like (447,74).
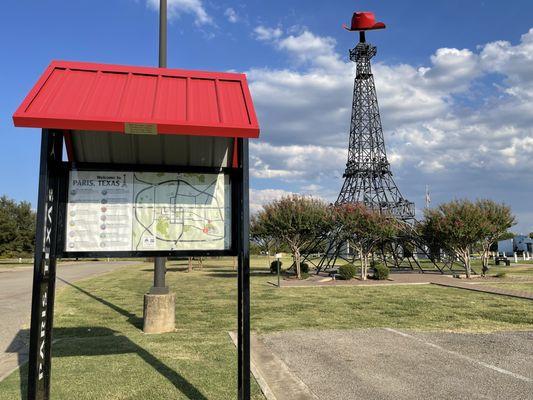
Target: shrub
(347,271)
(304,268)
(381,272)
(274,267)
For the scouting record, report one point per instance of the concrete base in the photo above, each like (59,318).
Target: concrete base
(159,313)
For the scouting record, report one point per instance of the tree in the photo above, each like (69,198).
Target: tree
(496,219)
(455,226)
(17,228)
(531,235)
(261,237)
(296,220)
(365,229)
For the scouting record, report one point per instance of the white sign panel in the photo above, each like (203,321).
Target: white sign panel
(148,211)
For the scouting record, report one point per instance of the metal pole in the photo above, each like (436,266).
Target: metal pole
(244,276)
(278,271)
(160,269)
(162,33)
(160,262)
(42,309)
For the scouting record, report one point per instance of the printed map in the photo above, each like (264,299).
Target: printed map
(180,211)
(143,211)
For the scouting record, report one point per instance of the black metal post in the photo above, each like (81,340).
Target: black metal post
(243,275)
(44,268)
(162,33)
(160,262)
(160,269)
(279,285)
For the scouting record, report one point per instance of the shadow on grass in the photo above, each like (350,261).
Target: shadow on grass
(224,273)
(216,272)
(133,319)
(169,269)
(96,341)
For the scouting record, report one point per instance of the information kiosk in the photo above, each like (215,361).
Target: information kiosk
(156,165)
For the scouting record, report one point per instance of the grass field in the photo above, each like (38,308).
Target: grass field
(102,353)
(13,263)
(523,287)
(513,271)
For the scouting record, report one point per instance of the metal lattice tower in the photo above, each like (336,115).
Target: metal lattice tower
(368,178)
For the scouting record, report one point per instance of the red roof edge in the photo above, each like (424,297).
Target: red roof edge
(24,116)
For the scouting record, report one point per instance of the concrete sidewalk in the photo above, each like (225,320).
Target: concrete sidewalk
(15,304)
(275,379)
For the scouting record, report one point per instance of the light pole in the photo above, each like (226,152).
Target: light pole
(162,33)
(159,303)
(160,267)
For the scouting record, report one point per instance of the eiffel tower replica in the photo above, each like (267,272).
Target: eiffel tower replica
(368,178)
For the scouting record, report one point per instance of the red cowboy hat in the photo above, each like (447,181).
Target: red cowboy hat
(364,21)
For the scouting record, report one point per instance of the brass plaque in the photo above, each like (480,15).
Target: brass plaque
(140,129)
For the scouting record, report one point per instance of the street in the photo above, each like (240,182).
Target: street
(15,303)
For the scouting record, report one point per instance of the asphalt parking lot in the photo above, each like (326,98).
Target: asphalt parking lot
(399,364)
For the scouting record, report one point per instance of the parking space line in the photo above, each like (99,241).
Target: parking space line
(483,364)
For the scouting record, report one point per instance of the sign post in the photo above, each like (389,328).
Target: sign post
(44,268)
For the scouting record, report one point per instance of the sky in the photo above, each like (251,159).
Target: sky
(454,81)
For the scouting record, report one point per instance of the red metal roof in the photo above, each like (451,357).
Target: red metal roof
(117,98)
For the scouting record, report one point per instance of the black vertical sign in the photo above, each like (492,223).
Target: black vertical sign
(44,267)
(243,247)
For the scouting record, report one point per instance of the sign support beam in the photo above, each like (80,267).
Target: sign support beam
(243,243)
(44,269)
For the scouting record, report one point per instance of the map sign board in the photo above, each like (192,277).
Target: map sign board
(111,211)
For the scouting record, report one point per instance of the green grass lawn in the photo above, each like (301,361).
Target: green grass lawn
(523,287)
(12,263)
(102,353)
(519,270)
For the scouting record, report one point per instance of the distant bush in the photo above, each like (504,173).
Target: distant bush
(347,271)
(381,272)
(17,228)
(274,267)
(304,267)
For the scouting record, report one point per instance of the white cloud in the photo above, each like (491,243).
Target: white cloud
(179,7)
(295,163)
(231,15)
(443,121)
(452,70)
(514,62)
(303,46)
(260,197)
(309,47)
(264,33)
